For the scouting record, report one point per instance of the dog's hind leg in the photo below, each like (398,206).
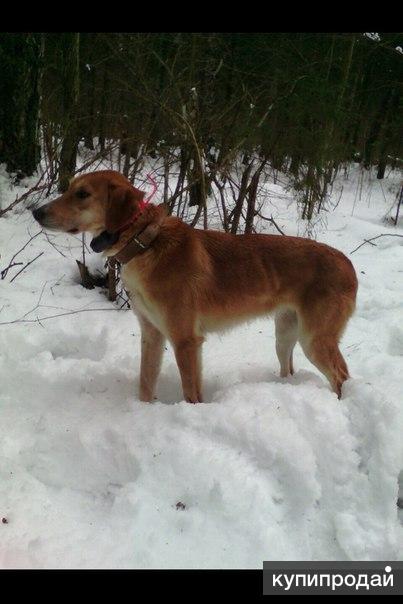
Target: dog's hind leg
(152,348)
(325,354)
(320,328)
(286,323)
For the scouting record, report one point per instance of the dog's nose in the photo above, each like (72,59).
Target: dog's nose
(39,214)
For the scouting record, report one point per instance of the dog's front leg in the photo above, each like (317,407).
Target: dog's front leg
(188,358)
(152,348)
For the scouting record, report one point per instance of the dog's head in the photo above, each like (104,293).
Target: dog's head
(101,203)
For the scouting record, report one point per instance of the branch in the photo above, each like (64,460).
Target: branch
(373,238)
(36,187)
(5,270)
(39,319)
(271,219)
(26,266)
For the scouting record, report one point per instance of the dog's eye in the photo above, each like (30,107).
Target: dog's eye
(81,194)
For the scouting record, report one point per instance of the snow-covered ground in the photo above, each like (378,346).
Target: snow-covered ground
(268,469)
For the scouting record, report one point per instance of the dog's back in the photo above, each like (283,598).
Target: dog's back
(257,273)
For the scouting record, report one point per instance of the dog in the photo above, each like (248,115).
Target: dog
(185,282)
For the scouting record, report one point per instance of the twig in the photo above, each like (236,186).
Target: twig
(338,201)
(35,307)
(53,245)
(5,270)
(38,319)
(399,203)
(273,222)
(36,187)
(26,266)
(83,240)
(373,238)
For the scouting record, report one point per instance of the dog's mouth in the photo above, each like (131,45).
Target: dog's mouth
(47,223)
(103,241)
(57,228)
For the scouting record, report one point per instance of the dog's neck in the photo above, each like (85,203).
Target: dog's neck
(139,236)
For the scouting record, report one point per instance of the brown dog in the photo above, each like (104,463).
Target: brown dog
(184,282)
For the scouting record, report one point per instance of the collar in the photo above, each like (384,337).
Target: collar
(142,205)
(138,244)
(133,218)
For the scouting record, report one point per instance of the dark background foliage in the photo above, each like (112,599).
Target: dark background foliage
(303,103)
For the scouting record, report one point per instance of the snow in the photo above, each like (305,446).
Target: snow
(269,468)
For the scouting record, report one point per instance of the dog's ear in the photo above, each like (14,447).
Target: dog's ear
(122,203)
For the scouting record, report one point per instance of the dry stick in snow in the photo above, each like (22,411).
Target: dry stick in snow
(36,187)
(39,319)
(112,279)
(5,270)
(86,278)
(399,203)
(26,266)
(39,305)
(373,239)
(32,310)
(53,245)
(72,312)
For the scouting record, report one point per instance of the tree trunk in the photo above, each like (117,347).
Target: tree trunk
(377,128)
(241,198)
(105,92)
(71,91)
(381,168)
(252,194)
(90,118)
(21,57)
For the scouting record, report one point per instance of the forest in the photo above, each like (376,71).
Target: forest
(215,109)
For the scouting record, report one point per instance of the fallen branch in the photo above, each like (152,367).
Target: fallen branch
(53,245)
(373,239)
(5,270)
(26,266)
(39,305)
(112,279)
(90,281)
(39,319)
(399,203)
(34,189)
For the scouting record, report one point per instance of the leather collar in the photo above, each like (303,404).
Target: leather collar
(138,243)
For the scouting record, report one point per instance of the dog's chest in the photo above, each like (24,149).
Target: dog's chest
(140,300)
